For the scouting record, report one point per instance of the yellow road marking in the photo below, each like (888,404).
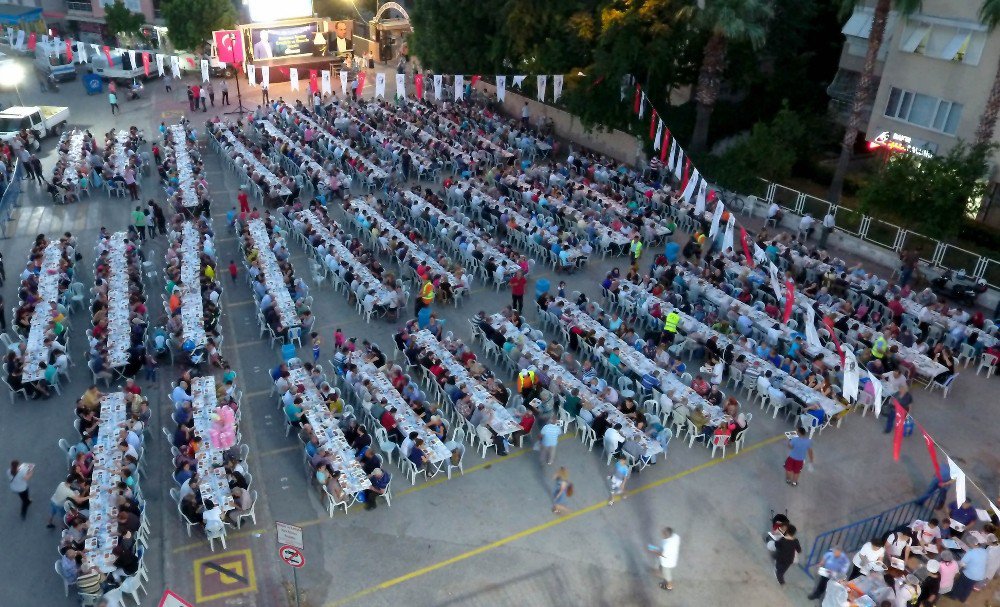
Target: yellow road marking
(541,527)
(225,560)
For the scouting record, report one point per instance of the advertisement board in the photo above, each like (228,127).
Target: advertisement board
(278,42)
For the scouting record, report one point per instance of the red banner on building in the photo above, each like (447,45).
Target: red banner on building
(32,39)
(418,83)
(69,50)
(145,63)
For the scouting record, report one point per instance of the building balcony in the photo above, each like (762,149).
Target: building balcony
(80,7)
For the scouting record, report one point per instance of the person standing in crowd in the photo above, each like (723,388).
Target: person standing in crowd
(139,221)
(833,564)
(17,478)
(799,447)
(548,439)
(517,284)
(618,479)
(667,553)
(113,100)
(829,223)
(563,489)
(225,92)
(211,93)
(930,588)
(972,572)
(785,550)
(203,96)
(190,93)
(265,94)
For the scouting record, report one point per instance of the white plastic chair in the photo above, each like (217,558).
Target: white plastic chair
(453,446)
(216,533)
(59,572)
(719,441)
(988,362)
(251,513)
(944,386)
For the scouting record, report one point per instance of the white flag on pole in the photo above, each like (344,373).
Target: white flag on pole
(10,36)
(959,477)
(542,82)
(159,64)
(688,193)
(679,163)
(852,376)
(459,86)
(175,65)
(557,84)
(251,74)
(324,82)
(265,75)
(716,218)
(517,80)
(877,386)
(727,237)
(812,336)
(204,70)
(658,142)
(132,59)
(379,85)
(401,85)
(293,78)
(343,83)
(701,195)
(20,39)
(81,53)
(438,79)
(501,88)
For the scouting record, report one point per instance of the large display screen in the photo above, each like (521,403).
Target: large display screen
(272,10)
(279,42)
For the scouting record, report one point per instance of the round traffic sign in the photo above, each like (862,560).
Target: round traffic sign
(292,556)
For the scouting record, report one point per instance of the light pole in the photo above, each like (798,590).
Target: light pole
(12,72)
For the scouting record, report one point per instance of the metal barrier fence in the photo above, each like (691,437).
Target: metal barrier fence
(851,537)
(884,234)
(9,199)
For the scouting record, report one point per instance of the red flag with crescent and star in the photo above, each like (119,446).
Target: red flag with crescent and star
(229,49)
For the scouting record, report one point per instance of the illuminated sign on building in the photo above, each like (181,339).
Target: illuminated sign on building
(897,142)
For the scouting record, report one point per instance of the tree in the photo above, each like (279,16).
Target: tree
(122,21)
(727,21)
(936,194)
(458,36)
(863,92)
(989,13)
(769,152)
(191,22)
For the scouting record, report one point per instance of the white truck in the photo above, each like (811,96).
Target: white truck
(121,69)
(51,61)
(40,121)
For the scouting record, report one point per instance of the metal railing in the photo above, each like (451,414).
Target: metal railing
(9,199)
(78,5)
(884,234)
(851,537)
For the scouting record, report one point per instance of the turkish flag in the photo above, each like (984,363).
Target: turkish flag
(361,84)
(284,70)
(744,240)
(828,322)
(313,81)
(638,98)
(32,38)
(418,83)
(191,61)
(652,125)
(665,145)
(932,451)
(789,301)
(228,44)
(475,79)
(687,174)
(145,63)
(897,437)
(69,50)
(107,53)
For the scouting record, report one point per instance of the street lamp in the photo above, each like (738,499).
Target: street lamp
(11,72)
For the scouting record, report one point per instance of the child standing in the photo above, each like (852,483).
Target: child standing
(338,338)
(232,269)
(315,343)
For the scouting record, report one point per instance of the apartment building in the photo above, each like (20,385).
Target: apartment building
(87,16)
(934,73)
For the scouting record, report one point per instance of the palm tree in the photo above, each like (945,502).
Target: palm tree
(989,14)
(727,21)
(863,92)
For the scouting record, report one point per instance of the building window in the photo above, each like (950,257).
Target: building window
(940,41)
(924,110)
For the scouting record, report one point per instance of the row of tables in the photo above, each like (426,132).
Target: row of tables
(119,338)
(273,278)
(49,278)
(177,142)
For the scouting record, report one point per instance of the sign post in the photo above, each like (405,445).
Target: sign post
(290,551)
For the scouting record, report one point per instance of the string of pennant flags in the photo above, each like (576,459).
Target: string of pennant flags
(693,184)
